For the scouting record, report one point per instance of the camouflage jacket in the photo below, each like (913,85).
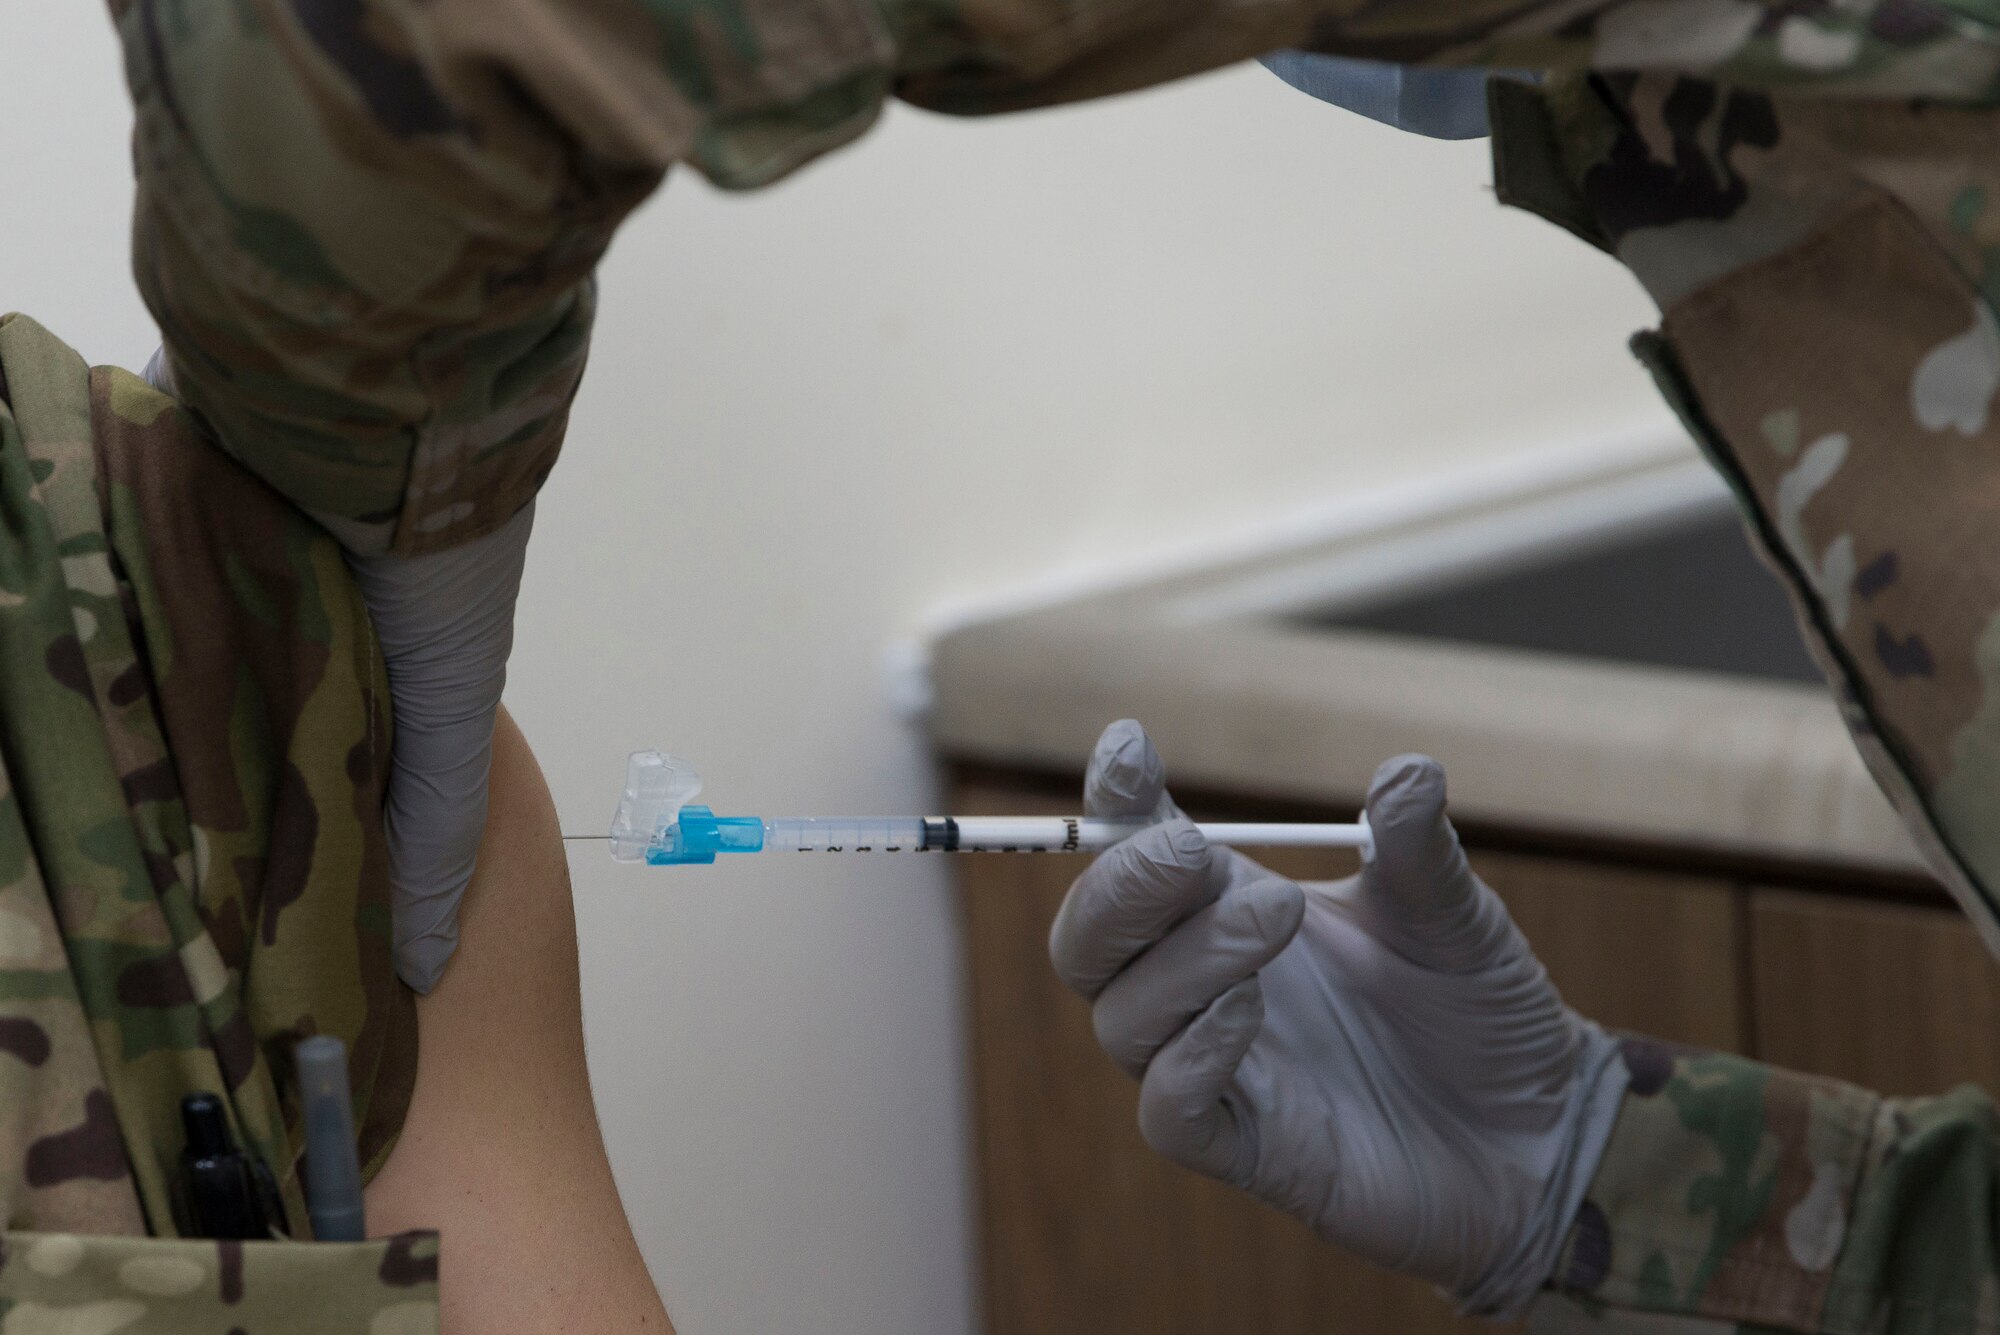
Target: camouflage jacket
(193,737)
(1827,270)
(368,231)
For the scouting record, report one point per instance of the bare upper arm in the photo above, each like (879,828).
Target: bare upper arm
(501,1149)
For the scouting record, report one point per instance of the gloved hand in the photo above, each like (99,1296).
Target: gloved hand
(1382,1057)
(445,621)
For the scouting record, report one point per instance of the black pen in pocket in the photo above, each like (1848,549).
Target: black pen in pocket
(218,1184)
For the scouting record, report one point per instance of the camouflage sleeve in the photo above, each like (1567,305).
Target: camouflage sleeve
(1747,1196)
(367,227)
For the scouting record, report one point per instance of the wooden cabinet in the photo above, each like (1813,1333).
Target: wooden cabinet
(1085,1230)
(1902,1000)
(1646,951)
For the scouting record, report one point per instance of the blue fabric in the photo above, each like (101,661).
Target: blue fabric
(1440,103)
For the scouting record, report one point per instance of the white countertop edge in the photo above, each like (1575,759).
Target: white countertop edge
(1195,645)
(1647,755)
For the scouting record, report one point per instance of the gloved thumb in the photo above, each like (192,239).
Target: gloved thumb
(1426,902)
(1126,777)
(446,624)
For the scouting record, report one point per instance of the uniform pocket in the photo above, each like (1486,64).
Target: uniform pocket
(66,1282)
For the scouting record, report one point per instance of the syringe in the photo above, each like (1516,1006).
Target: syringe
(656,824)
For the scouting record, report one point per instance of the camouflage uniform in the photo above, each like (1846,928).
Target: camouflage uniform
(193,734)
(368,228)
(1738,1197)
(1827,270)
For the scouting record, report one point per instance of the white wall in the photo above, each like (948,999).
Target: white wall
(955,358)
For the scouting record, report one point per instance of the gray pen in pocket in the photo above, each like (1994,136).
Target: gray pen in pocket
(333,1167)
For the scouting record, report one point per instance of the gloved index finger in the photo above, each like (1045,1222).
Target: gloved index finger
(1129,898)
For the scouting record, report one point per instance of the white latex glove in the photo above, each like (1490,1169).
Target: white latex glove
(1382,1057)
(445,621)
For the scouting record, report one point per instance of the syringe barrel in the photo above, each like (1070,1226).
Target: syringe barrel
(942,834)
(845,834)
